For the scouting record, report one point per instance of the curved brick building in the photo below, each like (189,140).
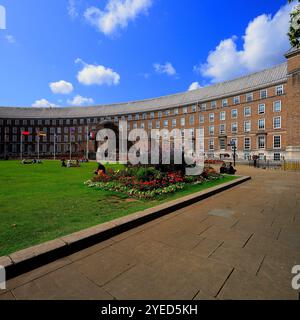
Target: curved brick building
(260,112)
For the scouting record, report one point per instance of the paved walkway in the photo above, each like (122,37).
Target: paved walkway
(240,244)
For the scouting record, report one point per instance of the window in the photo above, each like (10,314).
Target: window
(174,123)
(261,108)
(211,117)
(249,97)
(192,120)
(222,128)
(176,111)
(279,90)
(152,115)
(224,103)
(222,116)
(159,114)
(247,143)
(211,130)
(223,144)
(277,122)
(277,142)
(236,100)
(68,122)
(213,104)
(261,142)
(130,117)
(185,110)
(201,119)
(277,106)
(166,123)
(167,113)
(264,94)
(137,117)
(234,127)
(203,106)
(194,108)
(277,156)
(150,125)
(211,144)
(116,119)
(234,113)
(142,125)
(247,126)
(247,111)
(261,124)
(182,122)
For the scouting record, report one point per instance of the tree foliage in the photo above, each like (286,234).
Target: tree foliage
(294,32)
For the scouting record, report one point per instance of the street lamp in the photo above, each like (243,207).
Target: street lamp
(233,145)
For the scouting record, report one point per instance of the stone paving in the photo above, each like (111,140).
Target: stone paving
(240,244)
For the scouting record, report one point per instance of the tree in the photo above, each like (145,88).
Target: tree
(294,33)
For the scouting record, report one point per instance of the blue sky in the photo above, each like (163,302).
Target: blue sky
(83,52)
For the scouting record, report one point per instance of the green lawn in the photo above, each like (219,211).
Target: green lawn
(42,202)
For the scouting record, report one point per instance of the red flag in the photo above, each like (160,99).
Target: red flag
(25,133)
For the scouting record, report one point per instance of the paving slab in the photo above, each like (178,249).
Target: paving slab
(62,284)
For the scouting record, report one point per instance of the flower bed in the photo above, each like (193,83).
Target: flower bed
(147,183)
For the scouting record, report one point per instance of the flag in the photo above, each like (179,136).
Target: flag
(25,133)
(92,136)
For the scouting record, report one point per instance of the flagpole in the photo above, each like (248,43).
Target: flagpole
(87,142)
(54,146)
(38,143)
(21,150)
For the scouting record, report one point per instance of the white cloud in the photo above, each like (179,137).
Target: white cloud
(116,14)
(194,86)
(72,9)
(10,39)
(265,42)
(43,103)
(97,74)
(80,101)
(61,87)
(166,68)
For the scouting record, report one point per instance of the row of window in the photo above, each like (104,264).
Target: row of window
(222,116)
(247,112)
(247,126)
(261,143)
(211,128)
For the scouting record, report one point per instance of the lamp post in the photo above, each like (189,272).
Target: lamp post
(233,145)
